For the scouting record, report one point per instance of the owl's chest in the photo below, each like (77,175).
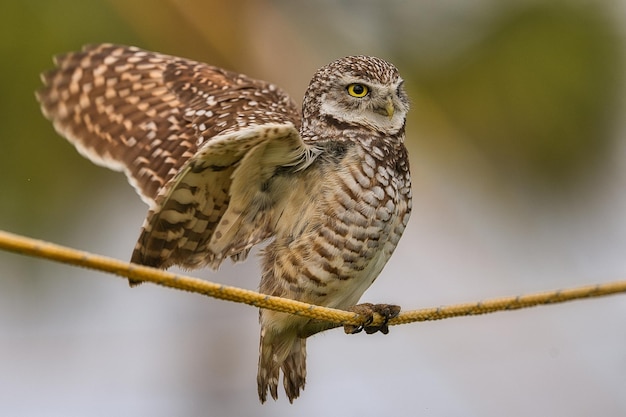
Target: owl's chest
(336,228)
(353,203)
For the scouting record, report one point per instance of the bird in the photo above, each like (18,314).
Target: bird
(226,162)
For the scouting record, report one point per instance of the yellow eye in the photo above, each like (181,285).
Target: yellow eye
(358,90)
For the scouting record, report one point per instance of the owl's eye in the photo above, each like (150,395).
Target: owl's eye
(358,90)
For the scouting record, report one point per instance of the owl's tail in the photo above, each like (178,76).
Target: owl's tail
(281,350)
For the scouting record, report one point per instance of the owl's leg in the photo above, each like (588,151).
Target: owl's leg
(388,311)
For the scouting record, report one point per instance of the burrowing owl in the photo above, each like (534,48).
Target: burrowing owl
(226,162)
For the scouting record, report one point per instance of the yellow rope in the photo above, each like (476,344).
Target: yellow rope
(40,249)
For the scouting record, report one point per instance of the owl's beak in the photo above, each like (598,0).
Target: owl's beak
(389,107)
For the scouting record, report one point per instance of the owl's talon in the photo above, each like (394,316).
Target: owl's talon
(388,311)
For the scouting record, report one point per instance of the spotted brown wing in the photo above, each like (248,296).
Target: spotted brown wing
(146,113)
(190,137)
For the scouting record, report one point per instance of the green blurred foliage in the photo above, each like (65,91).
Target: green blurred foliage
(537,95)
(40,172)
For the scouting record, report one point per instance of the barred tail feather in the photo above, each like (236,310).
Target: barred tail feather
(286,351)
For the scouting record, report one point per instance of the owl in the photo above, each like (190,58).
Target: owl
(226,162)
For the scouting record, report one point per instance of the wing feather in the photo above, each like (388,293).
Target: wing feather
(146,113)
(221,203)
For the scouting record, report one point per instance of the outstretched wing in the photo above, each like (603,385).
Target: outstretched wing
(199,144)
(146,113)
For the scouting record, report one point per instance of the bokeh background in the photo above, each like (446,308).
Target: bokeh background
(517,139)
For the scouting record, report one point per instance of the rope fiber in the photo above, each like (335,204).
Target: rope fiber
(41,249)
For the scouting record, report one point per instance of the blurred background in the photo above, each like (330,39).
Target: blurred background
(517,139)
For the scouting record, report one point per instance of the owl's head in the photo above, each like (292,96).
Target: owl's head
(356,91)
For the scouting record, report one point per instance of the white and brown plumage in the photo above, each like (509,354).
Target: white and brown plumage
(225,162)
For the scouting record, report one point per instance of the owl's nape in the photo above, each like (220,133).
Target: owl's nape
(226,162)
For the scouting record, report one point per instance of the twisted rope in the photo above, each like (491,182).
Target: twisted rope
(41,249)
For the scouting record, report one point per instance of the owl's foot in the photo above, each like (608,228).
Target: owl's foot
(388,311)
